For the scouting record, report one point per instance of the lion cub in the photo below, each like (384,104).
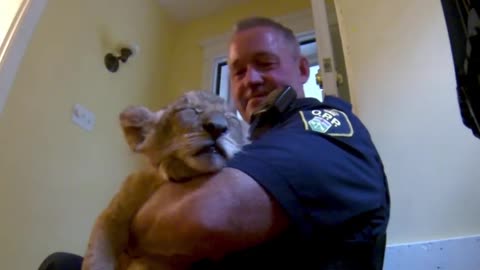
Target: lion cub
(194,135)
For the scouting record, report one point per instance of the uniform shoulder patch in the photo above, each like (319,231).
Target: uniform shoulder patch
(327,121)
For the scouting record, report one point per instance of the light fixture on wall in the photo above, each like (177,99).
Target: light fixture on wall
(112,62)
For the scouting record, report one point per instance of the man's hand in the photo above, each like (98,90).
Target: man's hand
(208,217)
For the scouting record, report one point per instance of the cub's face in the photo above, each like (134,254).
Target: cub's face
(194,135)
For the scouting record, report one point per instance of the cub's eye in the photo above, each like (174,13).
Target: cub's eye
(197,110)
(187,115)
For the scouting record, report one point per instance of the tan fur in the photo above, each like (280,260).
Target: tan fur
(171,139)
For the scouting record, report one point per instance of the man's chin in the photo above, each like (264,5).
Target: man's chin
(248,116)
(252,108)
(256,103)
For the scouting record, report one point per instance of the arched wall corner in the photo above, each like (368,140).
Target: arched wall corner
(13,45)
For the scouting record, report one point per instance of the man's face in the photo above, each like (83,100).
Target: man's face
(261,60)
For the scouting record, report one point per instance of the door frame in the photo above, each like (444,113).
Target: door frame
(331,42)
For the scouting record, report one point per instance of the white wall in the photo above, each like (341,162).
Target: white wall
(403,84)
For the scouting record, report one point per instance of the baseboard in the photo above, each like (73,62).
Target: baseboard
(461,253)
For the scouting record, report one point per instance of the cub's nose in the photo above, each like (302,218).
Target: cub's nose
(215,125)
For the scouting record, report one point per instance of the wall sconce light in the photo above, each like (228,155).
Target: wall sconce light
(112,62)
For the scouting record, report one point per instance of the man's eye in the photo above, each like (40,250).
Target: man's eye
(265,65)
(239,72)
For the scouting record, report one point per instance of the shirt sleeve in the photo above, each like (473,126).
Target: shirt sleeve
(265,166)
(322,183)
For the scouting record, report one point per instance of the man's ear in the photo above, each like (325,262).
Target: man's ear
(304,68)
(137,122)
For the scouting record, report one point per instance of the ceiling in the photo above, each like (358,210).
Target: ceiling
(187,10)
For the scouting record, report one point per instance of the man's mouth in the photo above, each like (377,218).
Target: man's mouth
(256,101)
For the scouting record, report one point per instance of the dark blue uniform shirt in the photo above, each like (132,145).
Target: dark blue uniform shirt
(321,165)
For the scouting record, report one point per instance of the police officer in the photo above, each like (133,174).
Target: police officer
(309,192)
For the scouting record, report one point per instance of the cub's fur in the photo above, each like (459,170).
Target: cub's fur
(194,135)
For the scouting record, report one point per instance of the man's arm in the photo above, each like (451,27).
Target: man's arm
(209,217)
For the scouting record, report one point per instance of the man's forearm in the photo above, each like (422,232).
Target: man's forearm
(207,218)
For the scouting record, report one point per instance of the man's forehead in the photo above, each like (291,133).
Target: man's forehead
(259,34)
(256,41)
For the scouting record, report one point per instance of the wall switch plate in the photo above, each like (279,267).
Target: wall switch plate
(83,118)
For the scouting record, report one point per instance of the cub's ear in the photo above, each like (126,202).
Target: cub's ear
(137,123)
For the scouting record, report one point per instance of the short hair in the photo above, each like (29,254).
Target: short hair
(257,21)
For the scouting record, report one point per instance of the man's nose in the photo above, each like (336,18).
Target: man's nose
(215,125)
(253,76)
